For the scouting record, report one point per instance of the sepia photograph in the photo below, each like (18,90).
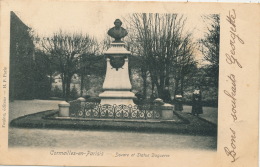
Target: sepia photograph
(107,84)
(143,76)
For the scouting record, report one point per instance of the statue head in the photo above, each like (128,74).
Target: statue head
(118,23)
(117,32)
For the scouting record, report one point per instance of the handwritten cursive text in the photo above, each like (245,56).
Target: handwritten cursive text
(231,152)
(231,58)
(232,95)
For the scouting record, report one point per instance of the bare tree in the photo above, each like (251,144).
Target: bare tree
(67,50)
(47,63)
(139,60)
(209,46)
(105,43)
(163,45)
(183,63)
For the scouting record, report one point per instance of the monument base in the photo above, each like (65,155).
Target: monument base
(117,98)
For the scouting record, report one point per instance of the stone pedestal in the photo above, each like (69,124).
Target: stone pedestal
(64,109)
(167,111)
(117,86)
(82,102)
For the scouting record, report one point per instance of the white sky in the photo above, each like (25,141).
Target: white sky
(48,19)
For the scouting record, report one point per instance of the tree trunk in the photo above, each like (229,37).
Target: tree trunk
(50,82)
(152,87)
(68,88)
(81,84)
(63,85)
(161,86)
(155,82)
(160,90)
(162,82)
(181,91)
(144,77)
(176,90)
(167,81)
(67,91)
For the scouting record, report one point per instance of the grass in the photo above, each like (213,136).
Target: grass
(184,124)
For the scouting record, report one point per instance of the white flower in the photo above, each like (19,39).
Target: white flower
(196,92)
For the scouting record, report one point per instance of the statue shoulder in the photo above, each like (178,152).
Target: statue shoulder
(111,30)
(124,31)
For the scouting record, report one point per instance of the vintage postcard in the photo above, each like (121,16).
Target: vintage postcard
(106,83)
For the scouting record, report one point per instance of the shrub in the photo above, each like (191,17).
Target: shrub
(56,92)
(74,93)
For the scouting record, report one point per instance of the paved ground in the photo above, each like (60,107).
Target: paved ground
(209,113)
(19,137)
(105,139)
(20,108)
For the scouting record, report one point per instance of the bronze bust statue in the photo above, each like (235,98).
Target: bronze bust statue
(117,32)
